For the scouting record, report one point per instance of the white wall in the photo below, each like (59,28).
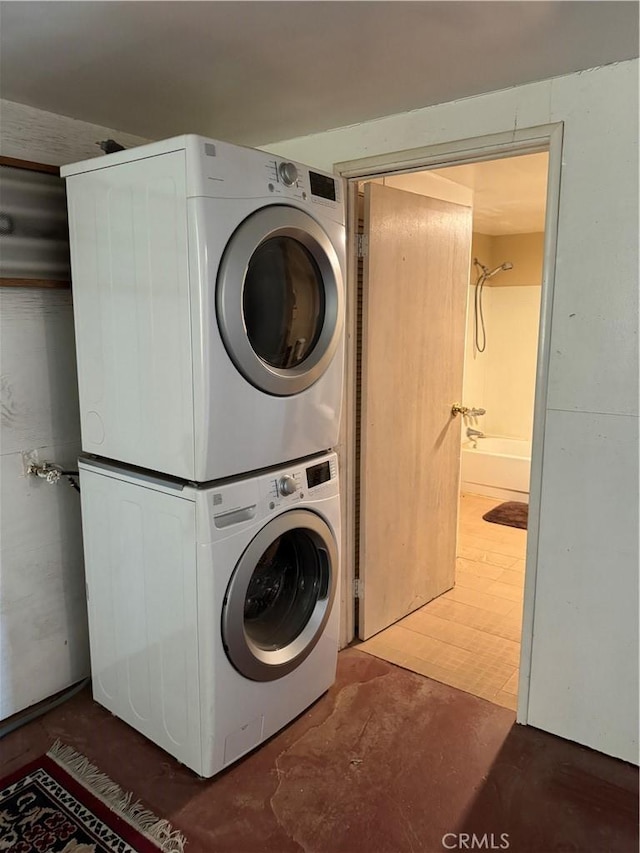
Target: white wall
(473,386)
(584,677)
(502,378)
(475,363)
(43,621)
(512,322)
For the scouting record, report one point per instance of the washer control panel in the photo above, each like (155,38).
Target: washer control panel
(294,485)
(286,488)
(321,473)
(287,485)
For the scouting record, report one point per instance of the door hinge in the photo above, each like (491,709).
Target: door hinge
(363,245)
(357,587)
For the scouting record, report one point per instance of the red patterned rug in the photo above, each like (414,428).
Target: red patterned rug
(61,803)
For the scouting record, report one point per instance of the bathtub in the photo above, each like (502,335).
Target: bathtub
(497,468)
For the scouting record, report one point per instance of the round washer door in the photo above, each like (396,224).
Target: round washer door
(279,299)
(280,596)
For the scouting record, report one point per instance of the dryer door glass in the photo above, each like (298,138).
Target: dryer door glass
(283,302)
(279,300)
(280,596)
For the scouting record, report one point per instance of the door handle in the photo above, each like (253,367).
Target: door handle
(459,409)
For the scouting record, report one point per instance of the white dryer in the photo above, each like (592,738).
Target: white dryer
(209,307)
(213,612)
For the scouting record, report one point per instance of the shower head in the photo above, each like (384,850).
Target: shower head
(503,267)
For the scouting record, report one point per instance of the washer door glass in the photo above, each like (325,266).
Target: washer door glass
(280,596)
(279,300)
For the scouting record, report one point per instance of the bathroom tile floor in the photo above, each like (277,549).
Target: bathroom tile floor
(469,637)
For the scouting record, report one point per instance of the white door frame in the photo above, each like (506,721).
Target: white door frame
(512,143)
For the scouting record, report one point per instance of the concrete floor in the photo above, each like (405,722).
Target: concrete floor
(388,761)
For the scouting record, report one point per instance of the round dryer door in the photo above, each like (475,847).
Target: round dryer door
(280,596)
(279,300)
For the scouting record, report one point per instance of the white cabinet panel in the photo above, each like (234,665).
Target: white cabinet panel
(142,592)
(128,234)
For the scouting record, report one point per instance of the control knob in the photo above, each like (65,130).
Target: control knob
(288,174)
(287,485)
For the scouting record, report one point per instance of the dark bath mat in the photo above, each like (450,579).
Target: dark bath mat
(511,513)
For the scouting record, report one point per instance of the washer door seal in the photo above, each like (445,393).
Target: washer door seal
(279,300)
(280,595)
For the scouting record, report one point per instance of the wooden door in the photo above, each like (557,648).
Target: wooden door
(416,274)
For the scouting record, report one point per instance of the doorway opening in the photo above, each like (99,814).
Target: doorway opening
(465,629)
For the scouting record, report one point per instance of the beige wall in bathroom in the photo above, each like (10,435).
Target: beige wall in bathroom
(482,249)
(525,252)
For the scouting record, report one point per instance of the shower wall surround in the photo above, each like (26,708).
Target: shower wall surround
(502,378)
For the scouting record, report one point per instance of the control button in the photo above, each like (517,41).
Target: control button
(288,174)
(287,485)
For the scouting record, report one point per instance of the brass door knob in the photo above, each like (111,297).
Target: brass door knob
(458,409)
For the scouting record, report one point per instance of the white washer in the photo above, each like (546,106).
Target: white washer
(213,612)
(209,307)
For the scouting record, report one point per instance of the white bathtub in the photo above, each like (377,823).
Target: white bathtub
(497,468)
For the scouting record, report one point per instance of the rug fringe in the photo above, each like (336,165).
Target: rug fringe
(170,840)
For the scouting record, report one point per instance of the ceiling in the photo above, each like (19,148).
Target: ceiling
(509,195)
(257,72)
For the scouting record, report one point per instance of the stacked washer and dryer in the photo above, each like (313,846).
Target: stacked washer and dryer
(209,310)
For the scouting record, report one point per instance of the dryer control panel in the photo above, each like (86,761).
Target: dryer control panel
(298,181)
(212,168)
(221,170)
